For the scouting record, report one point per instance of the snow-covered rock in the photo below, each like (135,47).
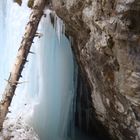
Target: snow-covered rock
(17,129)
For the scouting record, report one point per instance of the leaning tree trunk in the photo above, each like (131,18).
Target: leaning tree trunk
(21,59)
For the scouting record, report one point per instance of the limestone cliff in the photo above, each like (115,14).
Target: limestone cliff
(106,43)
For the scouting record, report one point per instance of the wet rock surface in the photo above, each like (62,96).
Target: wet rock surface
(106,43)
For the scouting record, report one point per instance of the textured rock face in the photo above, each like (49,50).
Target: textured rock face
(106,43)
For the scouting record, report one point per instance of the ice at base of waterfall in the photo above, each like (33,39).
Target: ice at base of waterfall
(17,129)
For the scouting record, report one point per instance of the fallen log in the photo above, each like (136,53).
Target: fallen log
(21,59)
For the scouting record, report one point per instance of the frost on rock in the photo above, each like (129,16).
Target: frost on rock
(17,129)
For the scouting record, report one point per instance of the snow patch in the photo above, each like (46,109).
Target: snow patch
(17,129)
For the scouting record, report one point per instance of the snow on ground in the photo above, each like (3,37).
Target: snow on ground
(17,129)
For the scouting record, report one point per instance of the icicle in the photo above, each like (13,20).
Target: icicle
(53,114)
(59,28)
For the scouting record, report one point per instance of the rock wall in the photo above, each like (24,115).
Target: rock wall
(106,43)
(85,116)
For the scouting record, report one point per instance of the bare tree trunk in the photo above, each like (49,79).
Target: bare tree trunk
(21,59)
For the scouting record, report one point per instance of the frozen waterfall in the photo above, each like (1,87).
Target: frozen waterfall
(43,106)
(51,116)
(45,99)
